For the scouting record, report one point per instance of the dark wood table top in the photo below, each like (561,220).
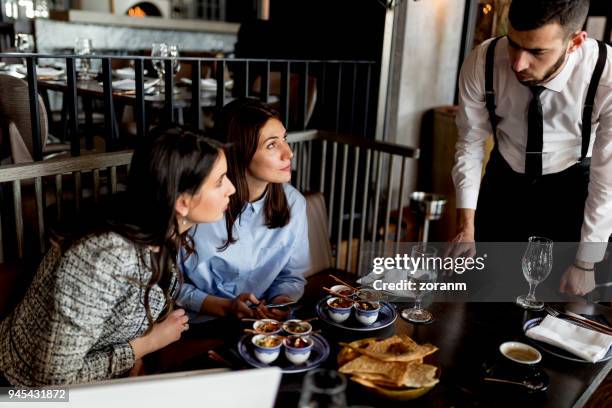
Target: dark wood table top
(467,334)
(93,89)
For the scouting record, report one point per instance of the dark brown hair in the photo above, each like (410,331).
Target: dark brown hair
(527,15)
(171,161)
(240,123)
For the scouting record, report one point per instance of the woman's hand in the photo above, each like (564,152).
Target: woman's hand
(279,313)
(163,333)
(239,308)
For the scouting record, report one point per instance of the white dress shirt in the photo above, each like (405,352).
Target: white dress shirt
(562,103)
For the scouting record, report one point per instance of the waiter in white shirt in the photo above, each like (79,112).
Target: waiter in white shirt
(545,93)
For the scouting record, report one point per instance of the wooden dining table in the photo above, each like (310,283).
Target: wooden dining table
(467,335)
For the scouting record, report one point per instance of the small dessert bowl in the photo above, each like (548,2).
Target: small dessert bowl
(520,353)
(366,313)
(339,309)
(267,326)
(297,327)
(342,290)
(298,348)
(267,347)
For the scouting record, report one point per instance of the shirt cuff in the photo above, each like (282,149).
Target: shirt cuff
(193,302)
(591,251)
(123,358)
(467,198)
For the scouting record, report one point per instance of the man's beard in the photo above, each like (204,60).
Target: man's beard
(550,73)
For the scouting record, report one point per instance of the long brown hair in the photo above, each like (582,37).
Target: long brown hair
(171,161)
(240,123)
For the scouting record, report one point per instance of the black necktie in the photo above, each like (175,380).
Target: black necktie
(535,134)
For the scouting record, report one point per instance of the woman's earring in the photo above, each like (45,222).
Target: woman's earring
(184,220)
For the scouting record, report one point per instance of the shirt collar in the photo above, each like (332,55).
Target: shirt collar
(558,83)
(256,206)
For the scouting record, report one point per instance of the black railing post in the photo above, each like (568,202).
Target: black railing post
(264,88)
(304,97)
(169,88)
(285,93)
(37,142)
(196,100)
(367,100)
(141,120)
(109,106)
(73,113)
(220,74)
(338,98)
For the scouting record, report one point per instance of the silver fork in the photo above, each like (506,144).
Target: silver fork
(578,320)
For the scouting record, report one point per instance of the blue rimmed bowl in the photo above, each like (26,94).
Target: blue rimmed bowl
(366,313)
(266,353)
(300,354)
(336,312)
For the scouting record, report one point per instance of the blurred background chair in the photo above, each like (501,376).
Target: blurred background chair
(318,234)
(15,122)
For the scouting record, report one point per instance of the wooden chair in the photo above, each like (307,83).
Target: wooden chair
(318,234)
(25,216)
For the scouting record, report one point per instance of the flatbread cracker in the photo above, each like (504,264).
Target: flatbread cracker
(398,348)
(395,372)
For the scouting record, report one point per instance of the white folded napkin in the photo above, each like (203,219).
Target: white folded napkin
(126,72)
(41,71)
(587,344)
(130,84)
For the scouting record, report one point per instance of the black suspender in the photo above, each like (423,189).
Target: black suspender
(489,90)
(587,113)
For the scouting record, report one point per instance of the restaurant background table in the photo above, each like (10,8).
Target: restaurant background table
(466,334)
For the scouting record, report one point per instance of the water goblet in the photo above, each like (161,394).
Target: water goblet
(425,273)
(159,51)
(323,388)
(24,43)
(82,46)
(537,263)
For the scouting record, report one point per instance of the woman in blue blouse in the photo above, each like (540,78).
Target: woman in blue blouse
(259,253)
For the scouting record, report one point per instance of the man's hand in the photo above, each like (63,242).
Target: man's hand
(576,281)
(463,244)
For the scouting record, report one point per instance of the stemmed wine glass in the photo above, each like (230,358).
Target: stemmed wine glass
(24,43)
(426,273)
(159,51)
(173,52)
(537,263)
(82,46)
(323,388)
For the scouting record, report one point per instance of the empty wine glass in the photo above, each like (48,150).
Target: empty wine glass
(323,388)
(24,43)
(160,51)
(82,46)
(173,52)
(537,263)
(425,273)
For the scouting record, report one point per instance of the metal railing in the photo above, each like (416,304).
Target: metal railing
(343,93)
(359,200)
(50,179)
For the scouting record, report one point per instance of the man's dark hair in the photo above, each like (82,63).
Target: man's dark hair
(532,14)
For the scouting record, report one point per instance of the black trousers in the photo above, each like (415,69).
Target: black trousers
(512,206)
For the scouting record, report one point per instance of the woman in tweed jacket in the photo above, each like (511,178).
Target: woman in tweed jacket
(104,302)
